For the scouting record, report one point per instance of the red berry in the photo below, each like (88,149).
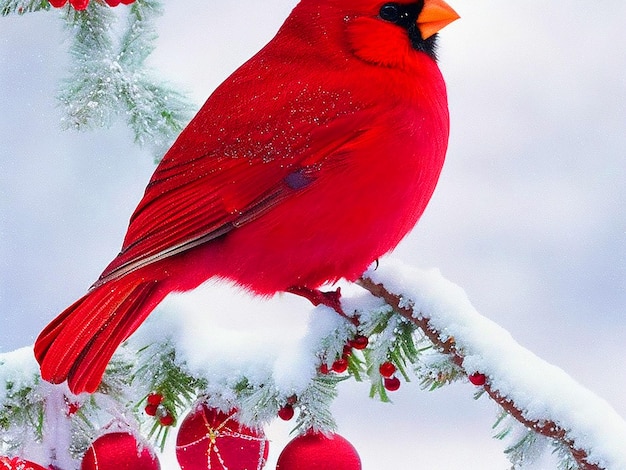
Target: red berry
(127,2)
(151,410)
(340,365)
(324,368)
(286,413)
(387,369)
(155,399)
(391,383)
(359,342)
(478,379)
(166,420)
(113,3)
(347,351)
(57,3)
(71,407)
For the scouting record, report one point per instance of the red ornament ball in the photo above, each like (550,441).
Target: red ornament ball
(317,451)
(16,463)
(211,439)
(119,450)
(477,379)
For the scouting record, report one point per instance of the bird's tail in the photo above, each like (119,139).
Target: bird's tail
(78,344)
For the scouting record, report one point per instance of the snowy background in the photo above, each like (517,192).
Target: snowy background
(528,217)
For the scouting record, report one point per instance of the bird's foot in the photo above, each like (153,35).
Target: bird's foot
(330,299)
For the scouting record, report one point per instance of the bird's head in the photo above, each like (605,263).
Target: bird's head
(386,32)
(376,31)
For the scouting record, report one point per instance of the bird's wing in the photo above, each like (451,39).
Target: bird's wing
(197,195)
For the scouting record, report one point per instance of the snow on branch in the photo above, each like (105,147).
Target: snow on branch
(407,322)
(539,395)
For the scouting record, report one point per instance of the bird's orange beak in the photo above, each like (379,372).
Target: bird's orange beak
(435,15)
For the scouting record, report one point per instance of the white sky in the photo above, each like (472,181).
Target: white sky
(528,217)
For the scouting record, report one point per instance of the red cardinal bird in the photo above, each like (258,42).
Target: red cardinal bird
(312,160)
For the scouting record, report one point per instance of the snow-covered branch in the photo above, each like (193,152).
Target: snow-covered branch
(415,325)
(539,395)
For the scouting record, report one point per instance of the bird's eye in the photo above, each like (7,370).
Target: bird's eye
(390,12)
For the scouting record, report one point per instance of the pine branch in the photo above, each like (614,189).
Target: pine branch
(448,346)
(423,325)
(109,77)
(21,408)
(8,7)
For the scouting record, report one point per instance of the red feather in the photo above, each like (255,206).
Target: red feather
(312,160)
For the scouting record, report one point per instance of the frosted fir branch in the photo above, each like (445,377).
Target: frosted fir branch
(314,403)
(526,446)
(89,93)
(21,407)
(445,316)
(109,79)
(154,369)
(155,112)
(91,29)
(391,339)
(521,452)
(331,347)
(436,370)
(138,40)
(20,7)
(258,404)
